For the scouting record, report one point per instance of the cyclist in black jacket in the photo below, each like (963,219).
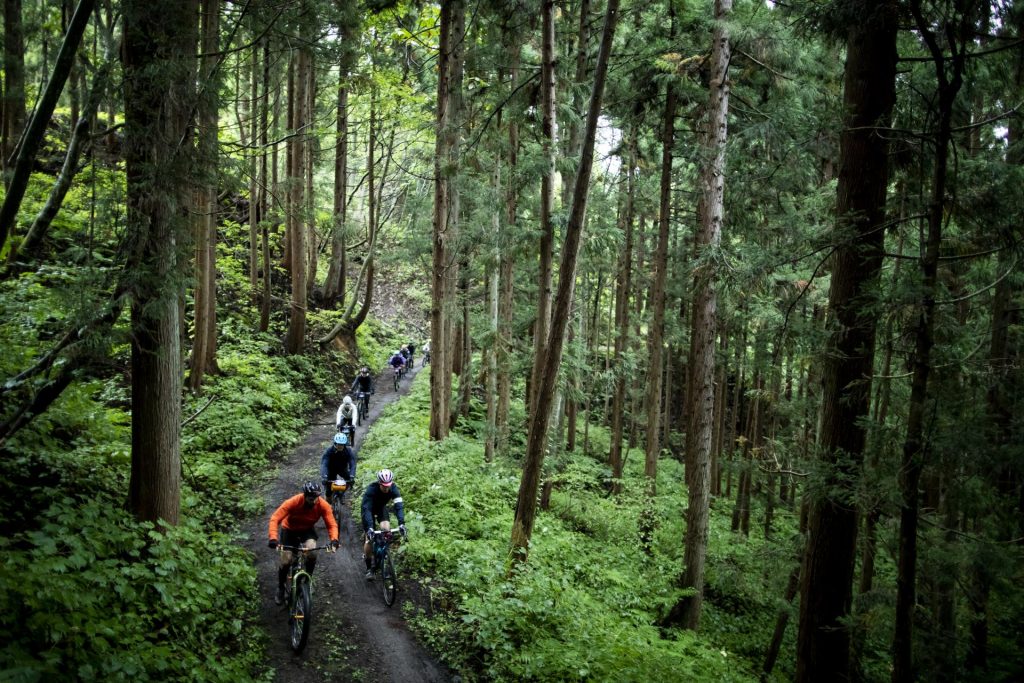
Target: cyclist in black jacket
(362,382)
(375,501)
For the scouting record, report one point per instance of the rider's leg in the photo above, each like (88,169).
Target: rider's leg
(310,557)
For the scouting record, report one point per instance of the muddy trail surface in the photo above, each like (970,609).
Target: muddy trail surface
(353,635)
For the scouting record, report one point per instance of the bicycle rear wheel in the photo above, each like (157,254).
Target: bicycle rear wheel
(301,615)
(389,581)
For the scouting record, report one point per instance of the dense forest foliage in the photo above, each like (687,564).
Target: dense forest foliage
(682,267)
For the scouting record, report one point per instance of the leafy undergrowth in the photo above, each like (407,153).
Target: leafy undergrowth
(587,603)
(88,592)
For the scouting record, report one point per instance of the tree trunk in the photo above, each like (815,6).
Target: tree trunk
(823,643)
(949,74)
(701,391)
(296,189)
(14,86)
(204,343)
(656,335)
(526,503)
(445,218)
(158,56)
(542,321)
(623,286)
(254,162)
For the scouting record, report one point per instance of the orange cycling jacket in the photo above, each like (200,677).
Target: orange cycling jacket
(294,515)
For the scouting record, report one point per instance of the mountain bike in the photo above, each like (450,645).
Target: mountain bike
(299,597)
(426,358)
(363,405)
(336,499)
(383,564)
(398,376)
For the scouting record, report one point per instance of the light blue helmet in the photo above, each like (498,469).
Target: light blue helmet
(341,438)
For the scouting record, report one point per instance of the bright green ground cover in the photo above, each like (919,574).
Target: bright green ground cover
(586,605)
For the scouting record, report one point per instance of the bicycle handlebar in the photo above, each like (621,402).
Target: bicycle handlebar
(300,549)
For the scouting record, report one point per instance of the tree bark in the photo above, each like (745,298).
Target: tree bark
(655,348)
(949,75)
(542,321)
(823,643)
(296,190)
(704,330)
(14,85)
(204,343)
(526,503)
(622,293)
(159,57)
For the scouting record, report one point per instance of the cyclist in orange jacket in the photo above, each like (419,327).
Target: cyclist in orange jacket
(297,516)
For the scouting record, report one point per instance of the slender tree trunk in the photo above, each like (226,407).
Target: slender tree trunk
(204,342)
(334,288)
(254,162)
(264,194)
(526,503)
(622,291)
(549,143)
(505,267)
(701,390)
(655,367)
(14,85)
(823,643)
(296,186)
(949,74)
(158,57)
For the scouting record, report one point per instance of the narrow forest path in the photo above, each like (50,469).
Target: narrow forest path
(354,636)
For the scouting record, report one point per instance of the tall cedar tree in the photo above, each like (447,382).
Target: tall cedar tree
(159,72)
(869,93)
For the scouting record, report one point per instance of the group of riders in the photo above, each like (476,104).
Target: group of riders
(402,359)
(296,517)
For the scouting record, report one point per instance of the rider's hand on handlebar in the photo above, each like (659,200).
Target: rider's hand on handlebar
(401,528)
(272,544)
(334,545)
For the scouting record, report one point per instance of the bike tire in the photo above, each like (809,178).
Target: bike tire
(300,616)
(336,508)
(396,381)
(388,580)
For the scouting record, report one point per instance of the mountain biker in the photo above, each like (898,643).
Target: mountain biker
(338,461)
(426,352)
(406,354)
(297,517)
(412,353)
(346,413)
(397,360)
(363,382)
(375,501)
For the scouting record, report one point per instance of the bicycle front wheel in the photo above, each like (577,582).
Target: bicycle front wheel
(301,614)
(396,381)
(336,506)
(389,581)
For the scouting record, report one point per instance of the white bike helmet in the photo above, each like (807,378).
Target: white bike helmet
(386,477)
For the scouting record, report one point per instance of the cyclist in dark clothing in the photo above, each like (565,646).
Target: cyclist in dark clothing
(363,382)
(375,502)
(338,461)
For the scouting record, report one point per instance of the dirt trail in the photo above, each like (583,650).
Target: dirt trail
(354,636)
